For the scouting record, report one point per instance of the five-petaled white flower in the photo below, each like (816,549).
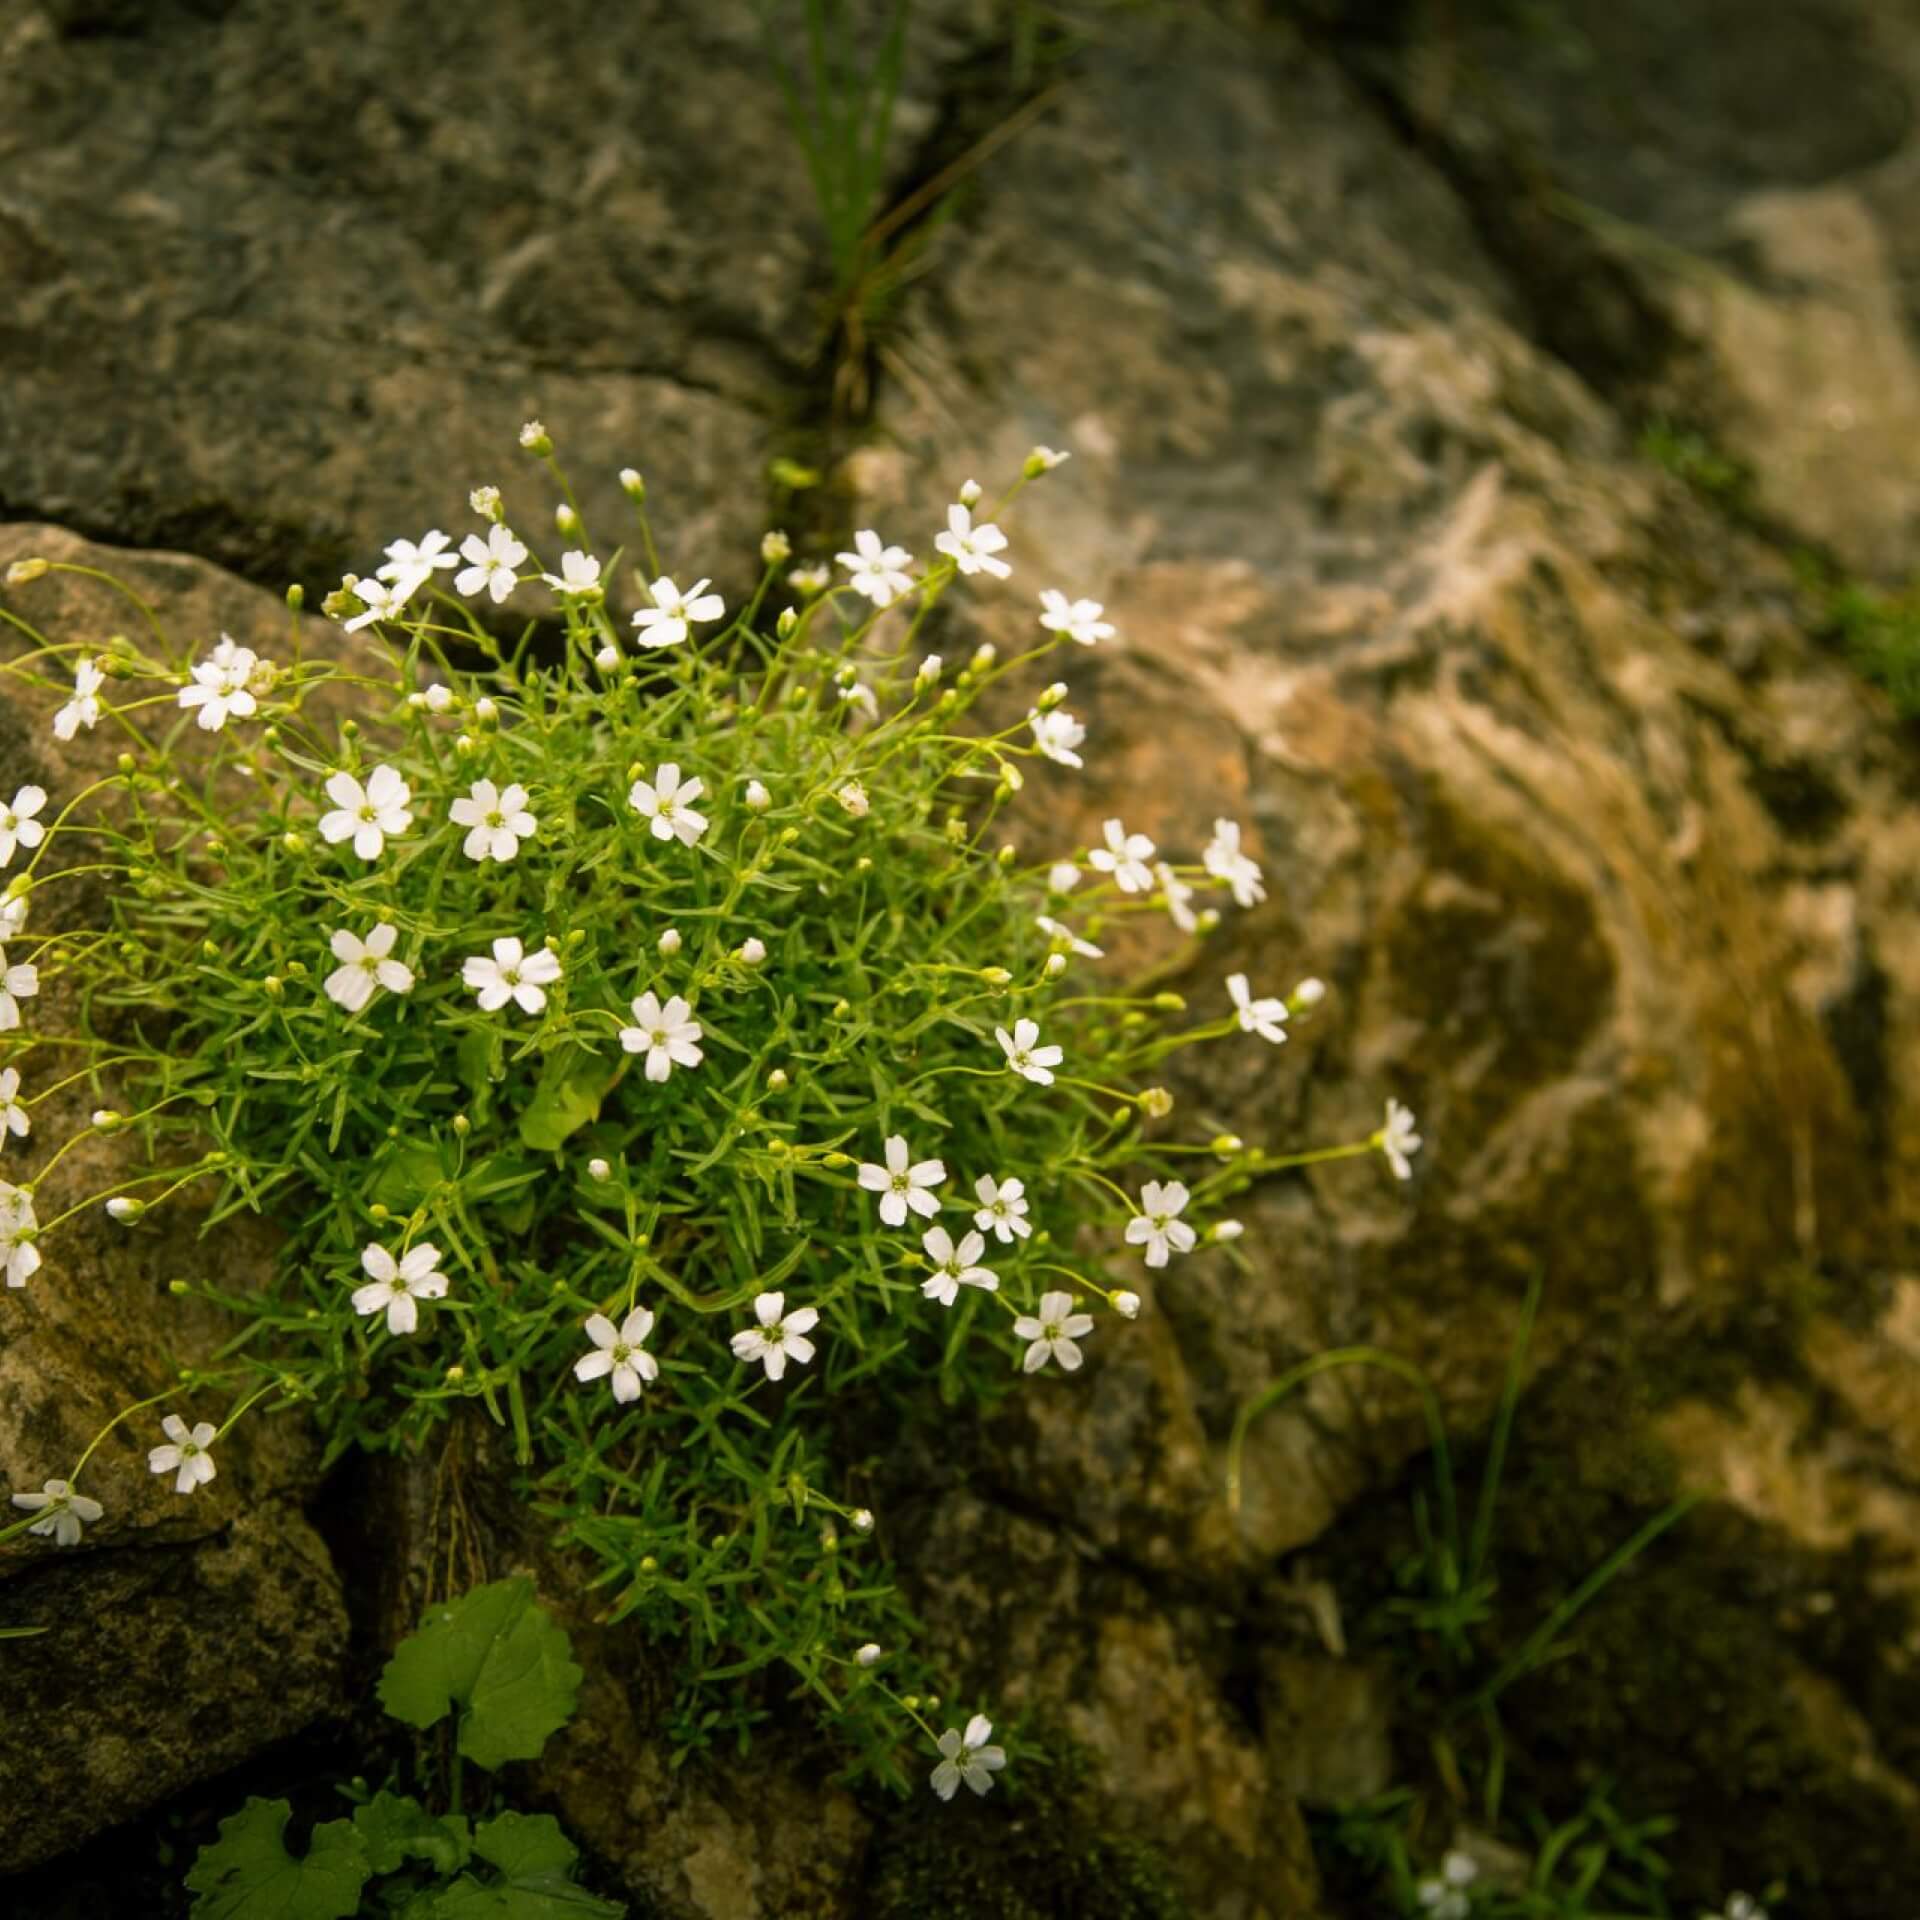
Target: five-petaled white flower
(83,710)
(406,562)
(400,1285)
(1055,1333)
(1398,1141)
(1025,1055)
(18,827)
(62,1512)
(1077,619)
(667,1035)
(972,548)
(777,1338)
(1063,937)
(1057,734)
(1158,1226)
(955,1267)
(967,1757)
(497,820)
(222,686)
(617,1351)
(185,1454)
(365,965)
(1444,1896)
(510,973)
(673,613)
(366,815)
(491,564)
(14,1120)
(1003,1208)
(1266,1017)
(18,1255)
(1225,861)
(380,601)
(901,1186)
(1125,856)
(664,802)
(18,982)
(579,575)
(876,570)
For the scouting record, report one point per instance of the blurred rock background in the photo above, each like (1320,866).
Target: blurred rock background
(1462,397)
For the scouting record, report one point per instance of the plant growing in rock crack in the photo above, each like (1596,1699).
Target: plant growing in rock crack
(494,1665)
(643,1035)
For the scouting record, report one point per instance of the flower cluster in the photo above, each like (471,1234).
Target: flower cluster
(601,1022)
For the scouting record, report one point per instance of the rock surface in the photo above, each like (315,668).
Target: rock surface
(1606,862)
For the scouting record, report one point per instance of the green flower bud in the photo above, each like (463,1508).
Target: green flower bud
(296,597)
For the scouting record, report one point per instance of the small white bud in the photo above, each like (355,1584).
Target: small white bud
(105,1119)
(868,1655)
(607,658)
(810,580)
(1052,697)
(970,494)
(1056,965)
(1063,876)
(485,712)
(533,436)
(753,951)
(775,547)
(984,655)
(929,671)
(1127,1305)
(565,520)
(464,744)
(439,697)
(861,1520)
(784,626)
(630,480)
(669,942)
(126,1210)
(777,1081)
(24,570)
(294,842)
(1309,993)
(1228,1230)
(1207,919)
(485,501)
(600,1169)
(853,796)
(758,798)
(1042,460)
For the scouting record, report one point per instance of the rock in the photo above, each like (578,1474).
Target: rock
(1327,1727)
(186,1634)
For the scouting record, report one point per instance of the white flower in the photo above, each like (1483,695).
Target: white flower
(955,1267)
(380,601)
(579,575)
(811,579)
(972,548)
(617,1350)
(1266,1017)
(1126,1304)
(867,1656)
(485,501)
(1065,939)
(1445,1896)
(775,547)
(1062,877)
(13,915)
(364,965)
(666,1035)
(509,973)
(1076,619)
(492,563)
(417,564)
(1045,459)
(875,570)
(1179,898)
(532,434)
(1398,1140)
(18,827)
(1158,1226)
(1055,1332)
(498,821)
(853,796)
(366,815)
(1225,861)
(665,803)
(18,1255)
(185,1453)
(1125,856)
(83,710)
(14,1121)
(63,1512)
(398,1285)
(1025,1055)
(901,1186)
(1057,734)
(1003,1208)
(777,1339)
(221,686)
(17,983)
(671,617)
(967,1757)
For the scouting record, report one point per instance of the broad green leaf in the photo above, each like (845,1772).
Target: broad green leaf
(495,1656)
(396,1828)
(248,1874)
(571,1086)
(535,1862)
(408,1174)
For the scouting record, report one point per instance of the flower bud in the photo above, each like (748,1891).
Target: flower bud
(995,976)
(777,1081)
(1056,965)
(1226,1145)
(928,671)
(752,952)
(1052,696)
(669,943)
(984,655)
(455,1374)
(464,745)
(106,1120)
(1007,854)
(1156,1101)
(842,1009)
(835,1162)
(439,697)
(788,620)
(758,798)
(868,1655)
(533,436)
(970,494)
(462,1125)
(1309,993)
(635,487)
(775,547)
(486,713)
(23,571)
(607,658)
(1126,1304)
(566,521)
(125,1209)
(1041,460)
(1227,1230)
(853,796)
(292,842)
(485,501)
(296,597)
(599,1169)
(861,1520)
(271,986)
(1206,919)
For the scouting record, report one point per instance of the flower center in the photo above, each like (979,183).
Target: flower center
(510,976)
(368,812)
(659,1036)
(621,1353)
(1160,1222)
(496,819)
(370,963)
